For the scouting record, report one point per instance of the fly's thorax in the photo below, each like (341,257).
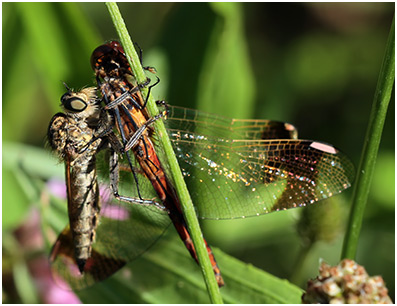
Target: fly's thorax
(66,137)
(78,139)
(81,154)
(57,133)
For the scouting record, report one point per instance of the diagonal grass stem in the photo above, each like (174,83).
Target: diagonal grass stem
(183,193)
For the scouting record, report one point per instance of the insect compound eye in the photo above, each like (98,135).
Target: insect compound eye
(115,45)
(108,57)
(73,103)
(100,54)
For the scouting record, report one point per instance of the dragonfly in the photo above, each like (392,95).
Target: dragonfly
(122,97)
(233,169)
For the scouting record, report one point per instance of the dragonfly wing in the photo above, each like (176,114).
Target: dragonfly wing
(240,178)
(201,123)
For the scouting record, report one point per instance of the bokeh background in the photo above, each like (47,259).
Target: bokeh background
(314,65)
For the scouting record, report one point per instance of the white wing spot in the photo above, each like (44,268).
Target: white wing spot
(323,147)
(289,127)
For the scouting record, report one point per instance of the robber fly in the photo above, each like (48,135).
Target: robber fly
(68,134)
(77,136)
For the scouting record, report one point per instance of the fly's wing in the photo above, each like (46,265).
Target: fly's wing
(98,267)
(125,231)
(230,176)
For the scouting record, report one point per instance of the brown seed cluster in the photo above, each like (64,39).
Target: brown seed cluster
(346,283)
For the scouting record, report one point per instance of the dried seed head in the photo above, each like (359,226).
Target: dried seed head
(346,283)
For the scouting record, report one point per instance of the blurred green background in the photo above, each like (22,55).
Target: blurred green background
(314,65)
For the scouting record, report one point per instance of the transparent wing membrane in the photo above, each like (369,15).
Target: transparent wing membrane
(233,172)
(204,124)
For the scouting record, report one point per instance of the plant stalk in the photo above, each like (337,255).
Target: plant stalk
(180,186)
(370,150)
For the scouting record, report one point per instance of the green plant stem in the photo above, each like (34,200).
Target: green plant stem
(370,151)
(183,193)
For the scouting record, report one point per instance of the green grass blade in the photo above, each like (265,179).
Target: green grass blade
(370,151)
(183,193)
(226,83)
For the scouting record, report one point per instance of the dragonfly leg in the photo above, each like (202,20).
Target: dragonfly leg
(149,90)
(114,180)
(138,133)
(144,84)
(141,202)
(120,99)
(128,94)
(148,68)
(116,114)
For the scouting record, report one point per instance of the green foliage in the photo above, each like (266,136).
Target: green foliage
(239,60)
